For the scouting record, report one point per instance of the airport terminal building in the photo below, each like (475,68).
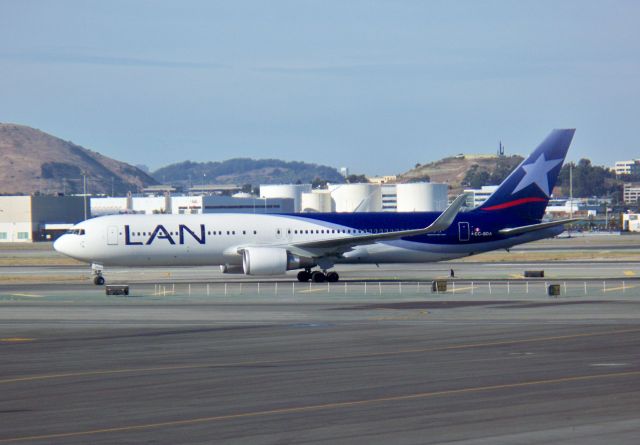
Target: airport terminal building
(38,218)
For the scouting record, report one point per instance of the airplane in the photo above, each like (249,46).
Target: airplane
(272,244)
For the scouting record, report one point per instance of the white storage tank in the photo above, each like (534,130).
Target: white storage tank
(293,191)
(422,197)
(356,197)
(316,201)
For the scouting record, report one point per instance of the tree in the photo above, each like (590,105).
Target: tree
(588,180)
(355,179)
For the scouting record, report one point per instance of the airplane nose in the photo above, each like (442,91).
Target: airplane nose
(61,244)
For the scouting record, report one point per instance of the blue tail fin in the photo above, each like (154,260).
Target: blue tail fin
(525,192)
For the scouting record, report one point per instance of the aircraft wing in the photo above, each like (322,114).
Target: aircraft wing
(337,246)
(533,227)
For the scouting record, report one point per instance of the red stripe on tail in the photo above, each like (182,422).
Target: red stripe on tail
(516,202)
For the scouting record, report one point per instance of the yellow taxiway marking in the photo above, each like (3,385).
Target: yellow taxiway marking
(323,406)
(516,275)
(313,359)
(308,291)
(458,289)
(27,295)
(629,273)
(611,289)
(15,339)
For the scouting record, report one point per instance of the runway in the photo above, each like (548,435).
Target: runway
(379,371)
(194,356)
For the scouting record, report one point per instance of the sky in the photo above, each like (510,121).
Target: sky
(376,86)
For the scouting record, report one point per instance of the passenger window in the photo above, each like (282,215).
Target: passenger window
(244,232)
(255,232)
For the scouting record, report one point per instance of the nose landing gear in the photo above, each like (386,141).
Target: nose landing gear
(96,271)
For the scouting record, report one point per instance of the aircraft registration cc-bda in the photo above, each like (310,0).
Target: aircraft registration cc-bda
(272,244)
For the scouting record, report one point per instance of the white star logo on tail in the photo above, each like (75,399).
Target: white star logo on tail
(536,173)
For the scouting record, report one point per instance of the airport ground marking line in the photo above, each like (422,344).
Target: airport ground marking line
(322,406)
(459,289)
(611,289)
(317,289)
(313,359)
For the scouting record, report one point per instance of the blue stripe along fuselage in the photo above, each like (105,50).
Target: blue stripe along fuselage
(485,223)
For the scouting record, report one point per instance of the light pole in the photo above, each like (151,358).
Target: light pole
(84,194)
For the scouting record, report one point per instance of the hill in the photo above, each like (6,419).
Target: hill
(246,171)
(32,161)
(464,171)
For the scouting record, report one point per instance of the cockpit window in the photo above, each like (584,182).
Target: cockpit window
(76,231)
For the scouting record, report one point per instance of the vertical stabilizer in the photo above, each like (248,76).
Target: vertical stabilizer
(525,193)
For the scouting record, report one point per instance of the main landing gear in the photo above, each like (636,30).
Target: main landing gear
(317,276)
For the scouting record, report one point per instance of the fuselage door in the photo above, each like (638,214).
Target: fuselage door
(112,235)
(463,231)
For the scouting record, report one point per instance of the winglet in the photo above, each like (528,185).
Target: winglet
(447,217)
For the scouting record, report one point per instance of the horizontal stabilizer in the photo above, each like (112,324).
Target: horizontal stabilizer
(534,227)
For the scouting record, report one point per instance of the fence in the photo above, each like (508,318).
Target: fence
(409,288)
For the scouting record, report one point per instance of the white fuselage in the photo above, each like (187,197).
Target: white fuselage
(216,239)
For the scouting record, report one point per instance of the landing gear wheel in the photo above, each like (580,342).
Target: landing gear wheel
(318,277)
(98,280)
(304,276)
(332,277)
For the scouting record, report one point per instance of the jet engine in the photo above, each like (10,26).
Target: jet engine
(272,261)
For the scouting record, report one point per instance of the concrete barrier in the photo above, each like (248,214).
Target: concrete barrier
(438,286)
(534,273)
(117,289)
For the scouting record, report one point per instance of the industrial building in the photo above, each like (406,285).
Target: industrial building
(362,197)
(39,218)
(631,193)
(422,197)
(189,204)
(316,201)
(292,191)
(477,197)
(631,167)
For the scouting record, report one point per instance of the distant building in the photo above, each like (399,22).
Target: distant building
(387,179)
(357,197)
(631,222)
(631,193)
(292,191)
(154,190)
(421,197)
(389,197)
(631,167)
(190,205)
(577,207)
(477,197)
(214,189)
(316,201)
(344,171)
(38,218)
